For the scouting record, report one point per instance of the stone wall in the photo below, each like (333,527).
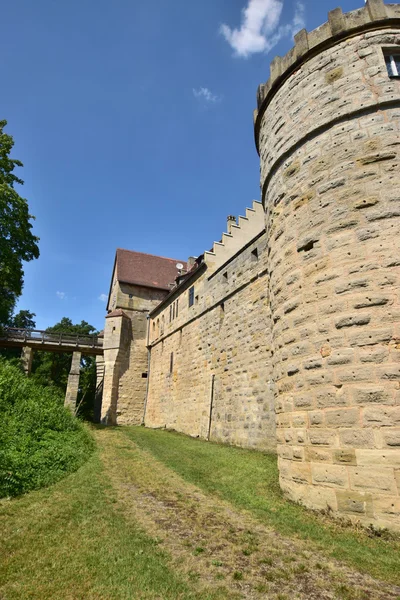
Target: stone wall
(215,355)
(329,141)
(125,352)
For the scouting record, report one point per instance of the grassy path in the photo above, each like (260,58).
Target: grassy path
(149,517)
(249,480)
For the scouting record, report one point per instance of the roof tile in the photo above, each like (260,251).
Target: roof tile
(147,270)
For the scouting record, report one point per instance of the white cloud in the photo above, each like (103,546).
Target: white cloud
(61,295)
(103,297)
(260,30)
(205,94)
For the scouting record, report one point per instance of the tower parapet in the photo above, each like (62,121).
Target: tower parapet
(375,14)
(328,135)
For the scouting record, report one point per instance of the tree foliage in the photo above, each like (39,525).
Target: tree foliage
(17,243)
(24,319)
(52,369)
(40,441)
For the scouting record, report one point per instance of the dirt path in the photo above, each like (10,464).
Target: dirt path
(215,545)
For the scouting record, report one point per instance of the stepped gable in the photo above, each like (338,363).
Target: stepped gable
(147,270)
(239,234)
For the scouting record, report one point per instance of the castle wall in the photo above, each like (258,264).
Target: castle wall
(126,360)
(221,356)
(329,145)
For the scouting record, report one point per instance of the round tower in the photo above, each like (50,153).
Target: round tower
(327,129)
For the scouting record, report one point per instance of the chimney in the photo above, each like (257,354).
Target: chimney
(190,262)
(230,221)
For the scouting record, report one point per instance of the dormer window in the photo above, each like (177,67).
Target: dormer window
(392,59)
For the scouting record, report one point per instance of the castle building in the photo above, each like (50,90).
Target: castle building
(286,335)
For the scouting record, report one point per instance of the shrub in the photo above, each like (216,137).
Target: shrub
(40,440)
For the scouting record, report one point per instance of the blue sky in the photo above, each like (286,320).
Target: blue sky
(134,123)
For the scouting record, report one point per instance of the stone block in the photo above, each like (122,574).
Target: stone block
(342,417)
(381,416)
(389,457)
(352,321)
(299,419)
(317,454)
(316,418)
(354,503)
(341,357)
(329,475)
(357,438)
(322,437)
(372,394)
(371,337)
(366,479)
(391,437)
(345,456)
(327,398)
(387,507)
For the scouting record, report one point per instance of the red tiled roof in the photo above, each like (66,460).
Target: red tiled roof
(146,270)
(116,313)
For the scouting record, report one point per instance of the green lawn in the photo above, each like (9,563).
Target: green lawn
(70,541)
(154,515)
(249,480)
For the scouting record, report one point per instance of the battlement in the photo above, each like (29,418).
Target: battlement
(375,14)
(239,234)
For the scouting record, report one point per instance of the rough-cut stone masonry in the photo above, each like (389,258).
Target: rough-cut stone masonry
(125,352)
(329,142)
(220,355)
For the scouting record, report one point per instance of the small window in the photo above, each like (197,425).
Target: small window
(144,375)
(173,311)
(131,296)
(170,313)
(171,363)
(176,308)
(191,296)
(392,59)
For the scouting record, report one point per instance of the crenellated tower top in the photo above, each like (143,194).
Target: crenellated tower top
(374,15)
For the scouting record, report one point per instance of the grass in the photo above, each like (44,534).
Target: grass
(72,541)
(127,525)
(249,480)
(40,440)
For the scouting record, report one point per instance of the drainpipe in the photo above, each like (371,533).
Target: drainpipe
(148,368)
(211,407)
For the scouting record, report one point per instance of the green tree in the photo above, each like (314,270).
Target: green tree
(24,319)
(52,369)
(17,243)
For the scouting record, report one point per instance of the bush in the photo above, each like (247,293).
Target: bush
(40,440)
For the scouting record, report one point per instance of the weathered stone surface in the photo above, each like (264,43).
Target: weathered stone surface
(71,394)
(26,359)
(221,381)
(336,156)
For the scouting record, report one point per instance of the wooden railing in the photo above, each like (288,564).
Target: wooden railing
(13,334)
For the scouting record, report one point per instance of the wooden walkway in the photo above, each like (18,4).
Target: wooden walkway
(50,342)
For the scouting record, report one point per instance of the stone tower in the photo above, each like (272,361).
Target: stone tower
(327,130)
